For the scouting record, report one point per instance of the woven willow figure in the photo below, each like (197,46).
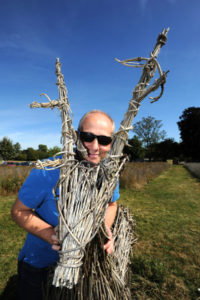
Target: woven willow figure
(84,271)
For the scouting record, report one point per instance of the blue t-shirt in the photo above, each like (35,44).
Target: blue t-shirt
(36,193)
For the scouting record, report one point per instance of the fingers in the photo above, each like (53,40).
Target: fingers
(56,247)
(54,239)
(55,243)
(109,245)
(56,229)
(109,232)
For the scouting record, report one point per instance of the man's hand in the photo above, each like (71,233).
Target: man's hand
(55,243)
(109,219)
(109,245)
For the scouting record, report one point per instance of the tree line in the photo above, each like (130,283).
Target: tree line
(149,141)
(10,151)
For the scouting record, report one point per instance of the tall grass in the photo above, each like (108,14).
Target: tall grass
(135,175)
(12,178)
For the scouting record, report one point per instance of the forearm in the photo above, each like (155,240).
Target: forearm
(110,214)
(109,219)
(28,220)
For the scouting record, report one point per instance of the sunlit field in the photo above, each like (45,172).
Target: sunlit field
(166,259)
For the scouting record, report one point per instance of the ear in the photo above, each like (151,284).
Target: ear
(76,136)
(82,151)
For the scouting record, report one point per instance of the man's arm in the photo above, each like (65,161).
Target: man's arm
(110,213)
(109,219)
(25,217)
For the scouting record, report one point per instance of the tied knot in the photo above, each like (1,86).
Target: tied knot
(162,39)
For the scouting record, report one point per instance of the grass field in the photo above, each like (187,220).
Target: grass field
(11,240)
(166,258)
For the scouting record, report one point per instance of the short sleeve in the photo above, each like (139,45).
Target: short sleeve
(116,193)
(34,189)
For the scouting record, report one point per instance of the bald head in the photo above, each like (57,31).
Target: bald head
(97,112)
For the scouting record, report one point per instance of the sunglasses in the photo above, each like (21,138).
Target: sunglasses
(89,137)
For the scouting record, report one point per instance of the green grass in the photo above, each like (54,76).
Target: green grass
(166,258)
(11,240)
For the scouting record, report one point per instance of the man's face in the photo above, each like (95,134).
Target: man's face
(97,124)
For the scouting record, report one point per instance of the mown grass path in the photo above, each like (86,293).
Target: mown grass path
(166,260)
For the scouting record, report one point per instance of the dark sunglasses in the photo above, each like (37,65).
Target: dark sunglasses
(89,137)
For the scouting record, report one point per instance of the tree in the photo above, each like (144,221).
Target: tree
(53,151)
(42,151)
(17,148)
(7,150)
(31,154)
(167,149)
(42,148)
(148,131)
(134,149)
(189,126)
(22,155)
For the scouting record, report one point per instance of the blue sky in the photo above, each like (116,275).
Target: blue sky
(87,35)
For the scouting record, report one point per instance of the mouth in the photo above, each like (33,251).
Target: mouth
(91,155)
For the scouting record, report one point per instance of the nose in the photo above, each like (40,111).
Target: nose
(94,145)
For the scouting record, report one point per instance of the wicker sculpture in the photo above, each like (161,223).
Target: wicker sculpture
(84,192)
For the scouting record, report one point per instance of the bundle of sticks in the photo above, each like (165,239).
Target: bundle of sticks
(85,191)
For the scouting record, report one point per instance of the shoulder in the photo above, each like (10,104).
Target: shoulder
(38,185)
(47,174)
(116,193)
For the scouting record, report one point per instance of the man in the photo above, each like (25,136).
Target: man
(35,210)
